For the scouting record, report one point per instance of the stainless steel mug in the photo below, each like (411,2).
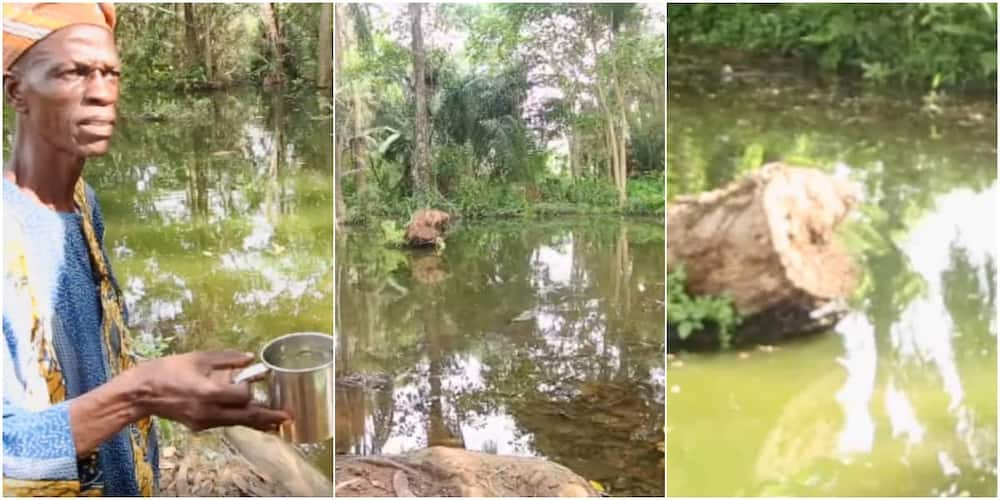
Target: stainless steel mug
(298,370)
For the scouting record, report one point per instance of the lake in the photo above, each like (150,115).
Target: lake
(900,398)
(532,338)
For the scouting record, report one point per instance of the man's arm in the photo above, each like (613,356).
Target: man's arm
(194,389)
(99,414)
(197,393)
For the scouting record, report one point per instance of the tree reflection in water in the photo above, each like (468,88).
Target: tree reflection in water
(540,339)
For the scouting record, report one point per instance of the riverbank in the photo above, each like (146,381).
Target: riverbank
(494,200)
(919,46)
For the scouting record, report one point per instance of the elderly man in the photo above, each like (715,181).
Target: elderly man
(77,406)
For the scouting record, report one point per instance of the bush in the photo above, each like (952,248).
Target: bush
(646,195)
(477,198)
(589,191)
(902,43)
(694,315)
(372,205)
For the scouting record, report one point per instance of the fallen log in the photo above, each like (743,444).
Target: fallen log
(768,242)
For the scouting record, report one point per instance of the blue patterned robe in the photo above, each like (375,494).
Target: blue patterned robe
(38,447)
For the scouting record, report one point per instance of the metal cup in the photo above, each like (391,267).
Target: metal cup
(299,379)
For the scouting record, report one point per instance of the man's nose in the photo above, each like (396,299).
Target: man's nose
(102,89)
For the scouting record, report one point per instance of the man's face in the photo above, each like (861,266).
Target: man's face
(68,88)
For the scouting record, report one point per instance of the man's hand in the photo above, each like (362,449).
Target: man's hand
(196,389)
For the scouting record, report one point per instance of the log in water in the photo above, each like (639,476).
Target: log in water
(768,242)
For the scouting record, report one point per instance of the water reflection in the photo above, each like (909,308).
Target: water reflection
(953,244)
(543,339)
(219,218)
(901,398)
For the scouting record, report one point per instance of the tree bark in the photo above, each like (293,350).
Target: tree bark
(180,33)
(207,51)
(190,35)
(621,180)
(767,241)
(575,168)
(421,172)
(339,206)
(324,76)
(269,15)
(357,143)
(615,138)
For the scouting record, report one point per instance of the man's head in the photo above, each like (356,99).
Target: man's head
(61,74)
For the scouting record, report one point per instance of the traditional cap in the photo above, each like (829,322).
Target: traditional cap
(24,24)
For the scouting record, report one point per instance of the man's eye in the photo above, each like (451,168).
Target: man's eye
(72,74)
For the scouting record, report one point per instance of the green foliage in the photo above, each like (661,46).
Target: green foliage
(477,198)
(392,234)
(147,346)
(646,195)
(695,315)
(191,46)
(494,117)
(590,191)
(882,43)
(371,206)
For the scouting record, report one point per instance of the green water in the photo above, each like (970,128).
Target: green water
(532,338)
(219,219)
(900,399)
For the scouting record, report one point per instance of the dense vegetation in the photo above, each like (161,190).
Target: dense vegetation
(212,45)
(498,110)
(921,44)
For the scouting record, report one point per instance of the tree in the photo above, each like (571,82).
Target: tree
(324,76)
(340,208)
(603,23)
(272,28)
(423,186)
(522,100)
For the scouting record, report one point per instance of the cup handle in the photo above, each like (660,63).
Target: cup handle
(252,371)
(258,392)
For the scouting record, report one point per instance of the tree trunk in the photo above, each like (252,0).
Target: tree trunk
(191,36)
(615,138)
(767,241)
(421,172)
(324,76)
(270,17)
(575,168)
(339,207)
(621,180)
(357,143)
(180,34)
(207,51)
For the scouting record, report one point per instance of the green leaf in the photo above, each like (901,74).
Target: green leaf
(684,330)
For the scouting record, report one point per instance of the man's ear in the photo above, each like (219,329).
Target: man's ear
(12,91)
